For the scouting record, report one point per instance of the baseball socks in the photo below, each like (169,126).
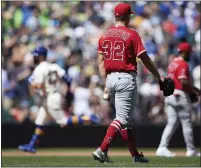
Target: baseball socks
(35,137)
(127,136)
(112,131)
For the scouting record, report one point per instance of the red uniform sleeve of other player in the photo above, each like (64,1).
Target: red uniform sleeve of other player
(183,72)
(138,46)
(100,49)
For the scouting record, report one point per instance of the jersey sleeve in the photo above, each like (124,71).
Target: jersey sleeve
(183,72)
(138,45)
(60,71)
(37,76)
(100,49)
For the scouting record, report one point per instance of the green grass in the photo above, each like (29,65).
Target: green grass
(36,161)
(87,161)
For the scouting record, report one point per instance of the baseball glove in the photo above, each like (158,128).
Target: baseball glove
(193,97)
(167,86)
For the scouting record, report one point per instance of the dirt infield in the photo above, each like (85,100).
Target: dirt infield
(77,153)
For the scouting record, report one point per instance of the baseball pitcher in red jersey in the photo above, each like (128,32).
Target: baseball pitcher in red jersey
(178,105)
(118,49)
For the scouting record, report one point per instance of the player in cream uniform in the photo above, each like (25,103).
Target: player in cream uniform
(50,75)
(46,79)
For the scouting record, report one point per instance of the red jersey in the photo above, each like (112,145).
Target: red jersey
(178,69)
(120,46)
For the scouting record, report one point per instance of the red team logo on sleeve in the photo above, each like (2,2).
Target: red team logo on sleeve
(120,46)
(178,69)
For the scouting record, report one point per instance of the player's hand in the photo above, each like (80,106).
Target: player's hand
(106,95)
(30,79)
(162,78)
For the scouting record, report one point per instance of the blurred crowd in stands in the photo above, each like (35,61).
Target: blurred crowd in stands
(71,31)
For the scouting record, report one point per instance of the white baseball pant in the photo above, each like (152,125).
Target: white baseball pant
(52,106)
(177,108)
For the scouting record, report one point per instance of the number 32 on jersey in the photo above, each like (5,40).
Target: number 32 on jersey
(114,51)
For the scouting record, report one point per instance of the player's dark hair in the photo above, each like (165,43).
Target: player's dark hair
(121,18)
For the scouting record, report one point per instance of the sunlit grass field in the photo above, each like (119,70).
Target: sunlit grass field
(81,157)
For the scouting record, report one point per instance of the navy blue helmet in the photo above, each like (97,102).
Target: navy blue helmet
(41,50)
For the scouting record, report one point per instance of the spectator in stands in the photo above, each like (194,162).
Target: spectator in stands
(71,30)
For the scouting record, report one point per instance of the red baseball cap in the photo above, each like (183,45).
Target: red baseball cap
(123,9)
(184,47)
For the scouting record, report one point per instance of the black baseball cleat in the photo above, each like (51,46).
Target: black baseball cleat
(140,159)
